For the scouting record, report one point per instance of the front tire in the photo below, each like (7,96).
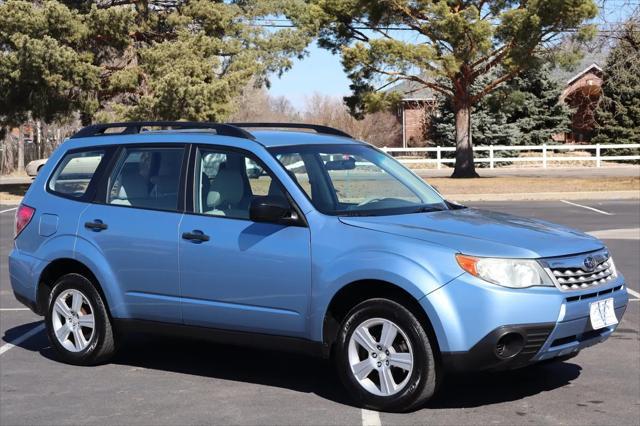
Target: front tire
(384,357)
(77,322)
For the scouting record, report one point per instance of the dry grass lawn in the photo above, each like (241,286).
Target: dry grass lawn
(11,194)
(524,185)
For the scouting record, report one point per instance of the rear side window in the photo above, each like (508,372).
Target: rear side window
(147,178)
(74,173)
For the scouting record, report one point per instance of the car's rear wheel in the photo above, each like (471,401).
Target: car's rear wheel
(384,357)
(77,322)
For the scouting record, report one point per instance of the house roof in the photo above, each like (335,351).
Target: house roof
(413,91)
(566,76)
(591,67)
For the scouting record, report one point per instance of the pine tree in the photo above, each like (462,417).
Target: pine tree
(525,111)
(446,46)
(618,111)
(137,59)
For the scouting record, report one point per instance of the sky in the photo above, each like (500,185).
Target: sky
(319,72)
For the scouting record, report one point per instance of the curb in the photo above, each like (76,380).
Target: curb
(548,196)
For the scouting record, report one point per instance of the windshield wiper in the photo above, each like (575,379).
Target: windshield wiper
(427,209)
(354,213)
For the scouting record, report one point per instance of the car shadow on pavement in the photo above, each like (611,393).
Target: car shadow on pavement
(487,388)
(35,343)
(307,374)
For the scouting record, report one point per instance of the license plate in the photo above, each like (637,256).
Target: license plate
(602,314)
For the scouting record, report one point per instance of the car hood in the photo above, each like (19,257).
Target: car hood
(483,233)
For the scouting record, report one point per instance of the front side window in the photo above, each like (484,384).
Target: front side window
(227,181)
(357,180)
(146,178)
(73,175)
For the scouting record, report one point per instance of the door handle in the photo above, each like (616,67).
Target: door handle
(97,225)
(196,236)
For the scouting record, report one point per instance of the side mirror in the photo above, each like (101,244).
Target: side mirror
(270,209)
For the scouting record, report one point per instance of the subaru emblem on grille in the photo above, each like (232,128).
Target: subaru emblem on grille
(589,263)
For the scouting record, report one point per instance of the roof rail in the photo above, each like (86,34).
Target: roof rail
(135,127)
(325,130)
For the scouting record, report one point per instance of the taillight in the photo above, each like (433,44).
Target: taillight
(23,217)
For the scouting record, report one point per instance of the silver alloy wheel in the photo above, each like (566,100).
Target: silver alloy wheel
(382,365)
(73,321)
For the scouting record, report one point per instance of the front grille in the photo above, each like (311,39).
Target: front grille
(594,294)
(578,278)
(575,272)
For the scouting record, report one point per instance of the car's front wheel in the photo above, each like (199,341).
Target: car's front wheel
(77,322)
(384,356)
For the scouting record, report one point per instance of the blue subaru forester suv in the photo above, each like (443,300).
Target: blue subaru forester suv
(301,238)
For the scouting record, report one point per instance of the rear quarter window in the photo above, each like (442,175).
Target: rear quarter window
(74,173)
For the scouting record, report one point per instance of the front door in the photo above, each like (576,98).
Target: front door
(237,274)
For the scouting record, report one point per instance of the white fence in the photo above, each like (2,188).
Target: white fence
(547,154)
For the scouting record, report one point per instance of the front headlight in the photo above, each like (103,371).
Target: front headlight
(513,273)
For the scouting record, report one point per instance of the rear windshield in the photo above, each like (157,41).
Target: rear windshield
(74,173)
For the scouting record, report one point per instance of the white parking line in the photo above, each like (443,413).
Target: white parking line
(633,293)
(617,234)
(587,207)
(13,309)
(8,210)
(35,330)
(370,418)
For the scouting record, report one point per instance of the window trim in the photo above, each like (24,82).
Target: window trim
(90,192)
(191,178)
(101,193)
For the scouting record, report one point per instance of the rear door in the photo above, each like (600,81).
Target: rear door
(237,274)
(134,224)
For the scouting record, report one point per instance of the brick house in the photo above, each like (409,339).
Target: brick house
(581,91)
(417,106)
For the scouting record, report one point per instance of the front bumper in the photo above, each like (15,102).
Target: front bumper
(470,317)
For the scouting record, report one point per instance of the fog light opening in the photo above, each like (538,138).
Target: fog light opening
(509,345)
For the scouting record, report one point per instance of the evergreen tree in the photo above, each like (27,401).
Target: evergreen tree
(137,59)
(445,46)
(618,111)
(525,111)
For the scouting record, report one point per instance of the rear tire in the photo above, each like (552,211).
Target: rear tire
(384,357)
(77,322)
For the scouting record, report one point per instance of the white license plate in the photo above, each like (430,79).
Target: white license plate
(602,314)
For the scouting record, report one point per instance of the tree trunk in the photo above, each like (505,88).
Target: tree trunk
(465,168)
(21,149)
(85,119)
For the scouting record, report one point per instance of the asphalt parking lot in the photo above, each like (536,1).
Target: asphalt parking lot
(156,380)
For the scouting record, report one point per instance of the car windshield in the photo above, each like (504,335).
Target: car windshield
(356,180)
